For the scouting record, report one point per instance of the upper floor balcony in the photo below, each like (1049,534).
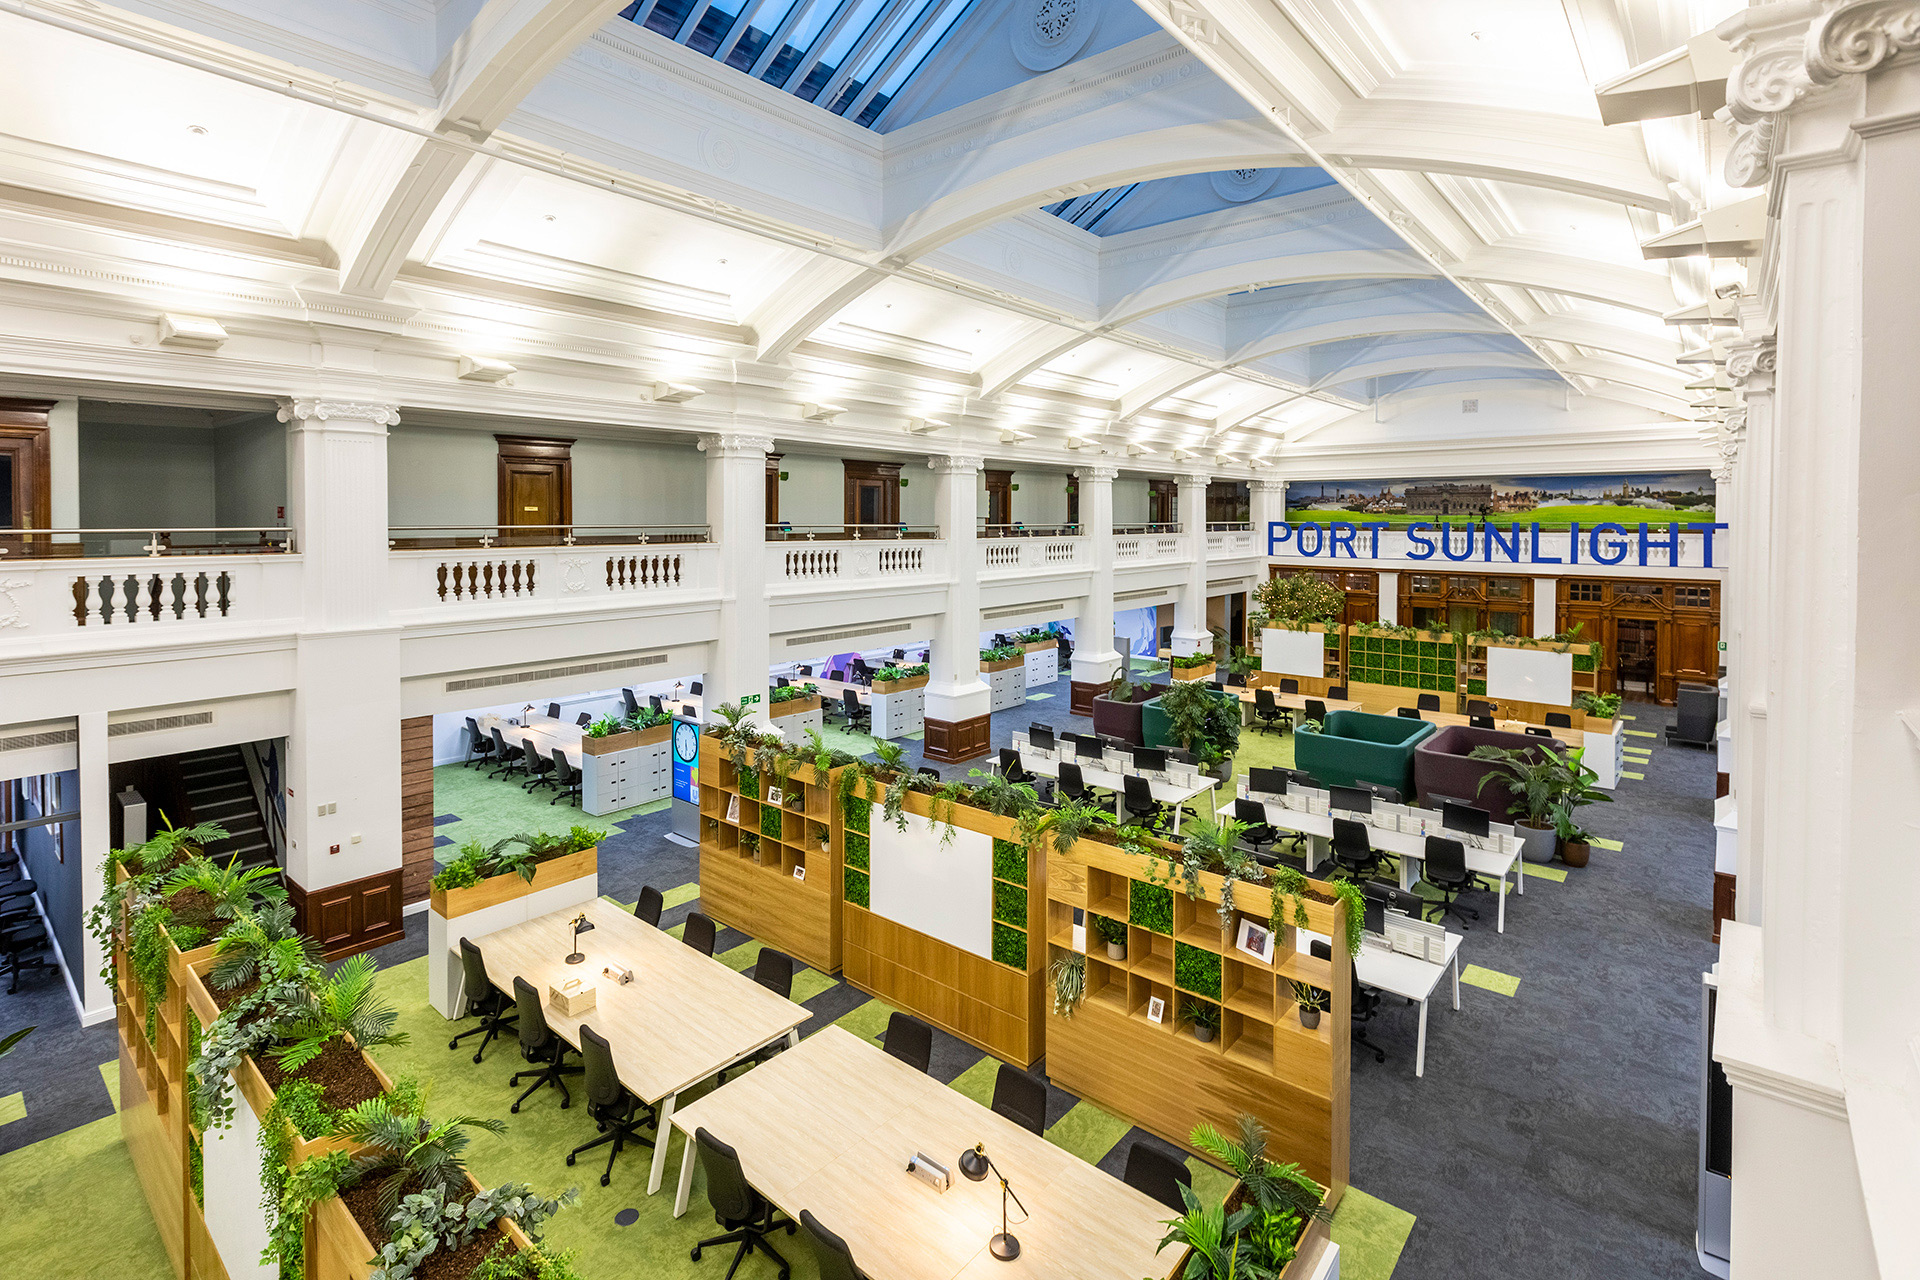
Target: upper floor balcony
(465,569)
(73,583)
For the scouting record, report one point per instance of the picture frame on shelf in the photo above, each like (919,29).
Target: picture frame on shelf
(733,808)
(1255,939)
(800,871)
(775,798)
(1156,1009)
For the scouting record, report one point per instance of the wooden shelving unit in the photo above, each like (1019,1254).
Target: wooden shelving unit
(1157,1074)
(750,849)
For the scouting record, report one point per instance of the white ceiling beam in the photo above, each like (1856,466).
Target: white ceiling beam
(1630,287)
(1173,290)
(1600,336)
(1428,363)
(807,299)
(1290,340)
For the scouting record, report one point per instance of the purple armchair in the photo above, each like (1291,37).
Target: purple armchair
(1441,767)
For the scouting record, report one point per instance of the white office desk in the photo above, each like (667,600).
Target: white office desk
(1110,779)
(1410,849)
(545,734)
(1410,977)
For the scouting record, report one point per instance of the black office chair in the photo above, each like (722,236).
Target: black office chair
(858,717)
(653,701)
(538,768)
(1254,814)
(910,1040)
(1479,707)
(1365,1005)
(696,688)
(619,1113)
(1446,870)
(1289,685)
(1411,713)
(539,1045)
(21,943)
(1267,712)
(804,670)
(898,654)
(1337,692)
(633,703)
(699,933)
(1074,787)
(1353,851)
(830,1251)
(647,908)
(1429,702)
(1020,1098)
(1316,710)
(928,771)
(774,971)
(745,1214)
(1137,795)
(780,682)
(479,745)
(1235,680)
(1153,1172)
(1538,732)
(1481,722)
(566,780)
(504,756)
(553,711)
(1013,771)
(584,719)
(860,673)
(1559,720)
(483,1000)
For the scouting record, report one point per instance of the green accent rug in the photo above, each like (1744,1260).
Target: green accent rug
(85,1169)
(1504,984)
(1088,1132)
(1371,1234)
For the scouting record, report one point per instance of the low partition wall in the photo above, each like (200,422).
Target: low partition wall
(937,922)
(770,857)
(1156,1072)
(497,903)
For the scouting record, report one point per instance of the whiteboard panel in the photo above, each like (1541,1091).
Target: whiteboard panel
(1294,653)
(1530,675)
(945,893)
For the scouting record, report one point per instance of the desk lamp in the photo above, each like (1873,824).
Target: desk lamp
(583,925)
(975,1164)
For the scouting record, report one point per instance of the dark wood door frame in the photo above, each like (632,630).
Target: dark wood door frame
(1163,501)
(773,488)
(999,485)
(884,474)
(528,452)
(24,434)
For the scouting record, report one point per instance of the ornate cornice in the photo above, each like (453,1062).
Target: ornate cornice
(1267,484)
(1805,48)
(1097,474)
(1750,365)
(316,409)
(1729,437)
(735,446)
(955,464)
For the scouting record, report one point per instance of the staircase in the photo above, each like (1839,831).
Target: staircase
(218,790)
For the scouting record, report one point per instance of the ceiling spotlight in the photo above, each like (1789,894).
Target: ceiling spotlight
(1138,451)
(820,412)
(196,333)
(197,130)
(484,369)
(1009,435)
(926,426)
(1184,455)
(674,392)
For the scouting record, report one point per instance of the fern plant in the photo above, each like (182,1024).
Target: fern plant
(1270,1186)
(345,1005)
(992,792)
(259,943)
(406,1145)
(231,890)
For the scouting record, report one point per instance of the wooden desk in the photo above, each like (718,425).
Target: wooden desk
(830,1126)
(1295,701)
(682,1018)
(544,733)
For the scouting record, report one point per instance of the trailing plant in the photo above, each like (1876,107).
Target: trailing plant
(1213,844)
(1196,970)
(343,1005)
(1069,977)
(1202,1013)
(1111,932)
(407,1146)
(1151,907)
(290,1194)
(1295,602)
(244,1027)
(429,1221)
(1288,885)
(260,942)
(1009,946)
(142,892)
(1354,920)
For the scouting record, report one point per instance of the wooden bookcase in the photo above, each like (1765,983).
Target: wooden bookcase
(750,850)
(1157,1074)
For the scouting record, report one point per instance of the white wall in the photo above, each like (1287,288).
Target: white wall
(439,476)
(1129,500)
(1042,497)
(250,473)
(814,491)
(132,475)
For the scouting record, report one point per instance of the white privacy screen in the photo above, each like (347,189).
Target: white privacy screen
(1529,675)
(1293,653)
(945,893)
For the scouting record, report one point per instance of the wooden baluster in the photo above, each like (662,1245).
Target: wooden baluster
(531,566)
(610,560)
(488,578)
(82,590)
(225,584)
(199,595)
(440,575)
(676,562)
(516,577)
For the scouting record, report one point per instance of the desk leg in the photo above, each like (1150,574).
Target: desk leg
(1407,877)
(685,1190)
(659,1170)
(793,1038)
(1519,876)
(1501,925)
(1420,1053)
(1455,965)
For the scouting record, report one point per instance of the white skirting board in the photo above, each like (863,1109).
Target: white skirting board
(446,978)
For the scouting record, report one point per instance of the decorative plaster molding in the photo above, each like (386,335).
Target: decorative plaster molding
(303,410)
(1751,362)
(731,445)
(1096,474)
(12,612)
(1268,484)
(955,464)
(1796,54)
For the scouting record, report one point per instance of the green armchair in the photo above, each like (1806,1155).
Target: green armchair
(1356,746)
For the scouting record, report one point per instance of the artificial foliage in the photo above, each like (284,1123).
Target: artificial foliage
(770,822)
(1010,904)
(1009,946)
(1196,970)
(857,887)
(859,852)
(1151,907)
(1069,975)
(1296,601)
(519,855)
(1009,861)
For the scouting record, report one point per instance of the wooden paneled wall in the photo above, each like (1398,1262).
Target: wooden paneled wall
(353,917)
(416,809)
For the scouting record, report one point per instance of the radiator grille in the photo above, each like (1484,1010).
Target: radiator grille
(822,637)
(44,738)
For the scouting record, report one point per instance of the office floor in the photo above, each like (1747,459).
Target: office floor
(1554,1132)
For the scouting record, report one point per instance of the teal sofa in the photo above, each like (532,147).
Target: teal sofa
(1357,746)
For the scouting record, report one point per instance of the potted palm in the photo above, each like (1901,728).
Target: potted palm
(1205,1018)
(1535,779)
(1577,790)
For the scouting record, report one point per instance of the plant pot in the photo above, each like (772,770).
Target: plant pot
(1309,1017)
(1116,951)
(1574,852)
(1536,843)
(1203,1034)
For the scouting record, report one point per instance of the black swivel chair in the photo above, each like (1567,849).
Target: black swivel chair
(1429,702)
(1020,1098)
(1074,787)
(745,1214)
(1479,707)
(696,688)
(504,756)
(1353,851)
(540,1046)
(479,745)
(620,1114)
(1289,685)
(647,909)
(1366,1002)
(1481,722)
(1381,791)
(1157,1174)
(699,932)
(538,768)
(1136,794)
(1538,732)
(584,719)
(1446,870)
(566,780)
(1267,712)
(830,1251)
(910,1040)
(654,702)
(858,717)
(1254,814)
(781,682)
(1013,771)
(1316,710)
(21,941)
(553,711)
(483,1000)
(1559,720)
(633,703)
(1337,692)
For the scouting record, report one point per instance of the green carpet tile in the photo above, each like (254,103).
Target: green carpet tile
(1088,1132)
(807,982)
(1614,845)
(491,809)
(977,1080)
(1038,697)
(1499,983)
(13,1107)
(1370,1232)
(1556,874)
(1637,777)
(678,895)
(1639,733)
(869,1019)
(88,1169)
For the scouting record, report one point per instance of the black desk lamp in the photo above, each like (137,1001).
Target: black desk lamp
(975,1163)
(580,925)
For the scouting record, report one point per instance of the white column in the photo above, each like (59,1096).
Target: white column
(737,512)
(1546,606)
(63,441)
(958,700)
(1266,505)
(343,753)
(1094,658)
(1747,454)
(1190,634)
(83,971)
(1389,598)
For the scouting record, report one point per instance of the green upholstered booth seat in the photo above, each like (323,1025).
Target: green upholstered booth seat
(1357,746)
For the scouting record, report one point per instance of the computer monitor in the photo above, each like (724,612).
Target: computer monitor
(1271,782)
(1376,916)
(1301,778)
(1087,742)
(1465,819)
(1150,759)
(1039,739)
(1393,898)
(1350,799)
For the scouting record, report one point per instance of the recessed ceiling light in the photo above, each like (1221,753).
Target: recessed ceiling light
(723,262)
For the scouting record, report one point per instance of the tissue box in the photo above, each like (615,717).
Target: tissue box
(572,997)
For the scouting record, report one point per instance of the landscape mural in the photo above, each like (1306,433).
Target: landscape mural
(1551,501)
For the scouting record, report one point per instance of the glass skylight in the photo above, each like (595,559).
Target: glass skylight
(852,57)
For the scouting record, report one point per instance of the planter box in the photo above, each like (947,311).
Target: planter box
(1309,1250)
(1203,672)
(626,741)
(1039,646)
(1122,719)
(792,707)
(1003,664)
(496,903)
(337,1249)
(900,686)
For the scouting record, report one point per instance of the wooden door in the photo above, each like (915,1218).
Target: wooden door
(1636,661)
(872,495)
(999,500)
(535,489)
(26,474)
(1163,502)
(773,489)
(1073,502)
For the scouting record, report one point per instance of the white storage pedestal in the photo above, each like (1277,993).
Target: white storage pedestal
(1009,687)
(794,727)
(897,714)
(446,978)
(1043,665)
(622,779)
(1606,754)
